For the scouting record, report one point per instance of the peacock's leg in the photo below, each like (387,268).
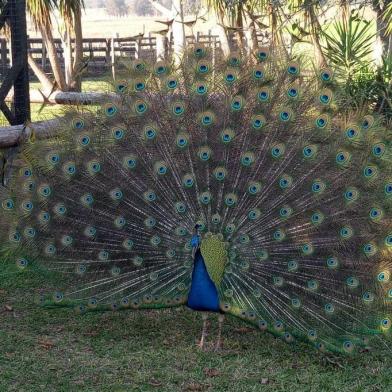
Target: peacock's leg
(218,345)
(204,331)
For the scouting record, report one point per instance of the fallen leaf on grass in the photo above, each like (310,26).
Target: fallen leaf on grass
(375,370)
(91,333)
(8,308)
(195,386)
(46,344)
(264,381)
(229,352)
(243,330)
(334,361)
(170,341)
(155,383)
(211,372)
(296,366)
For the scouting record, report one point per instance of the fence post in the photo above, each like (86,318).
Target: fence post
(161,51)
(151,47)
(4,55)
(18,27)
(107,51)
(137,48)
(213,60)
(113,57)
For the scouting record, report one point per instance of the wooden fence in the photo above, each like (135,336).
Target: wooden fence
(101,52)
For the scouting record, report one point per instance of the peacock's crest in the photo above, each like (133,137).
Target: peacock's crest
(291,191)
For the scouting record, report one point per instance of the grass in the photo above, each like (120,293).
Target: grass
(57,350)
(47,112)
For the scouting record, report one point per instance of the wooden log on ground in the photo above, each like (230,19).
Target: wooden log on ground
(13,135)
(68,98)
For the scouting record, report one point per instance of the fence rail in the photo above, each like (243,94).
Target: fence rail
(100,52)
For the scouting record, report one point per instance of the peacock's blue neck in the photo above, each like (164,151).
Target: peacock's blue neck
(203,295)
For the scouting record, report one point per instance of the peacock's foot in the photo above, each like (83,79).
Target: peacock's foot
(218,346)
(202,343)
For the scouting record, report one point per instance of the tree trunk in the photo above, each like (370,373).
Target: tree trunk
(239,23)
(253,31)
(47,37)
(78,55)
(68,62)
(47,85)
(315,30)
(345,10)
(160,8)
(276,35)
(383,40)
(223,36)
(178,27)
(251,35)
(161,43)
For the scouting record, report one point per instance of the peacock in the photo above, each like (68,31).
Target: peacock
(240,185)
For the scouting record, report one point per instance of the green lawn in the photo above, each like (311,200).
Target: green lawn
(58,350)
(41,113)
(47,112)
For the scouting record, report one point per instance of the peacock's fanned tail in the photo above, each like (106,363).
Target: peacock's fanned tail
(293,198)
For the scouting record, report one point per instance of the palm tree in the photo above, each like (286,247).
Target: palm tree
(244,15)
(309,10)
(40,12)
(384,25)
(349,46)
(71,12)
(275,13)
(387,16)
(178,29)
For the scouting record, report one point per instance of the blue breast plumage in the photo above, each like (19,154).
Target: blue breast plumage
(203,294)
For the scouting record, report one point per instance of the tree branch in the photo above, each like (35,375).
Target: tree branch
(47,84)
(160,8)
